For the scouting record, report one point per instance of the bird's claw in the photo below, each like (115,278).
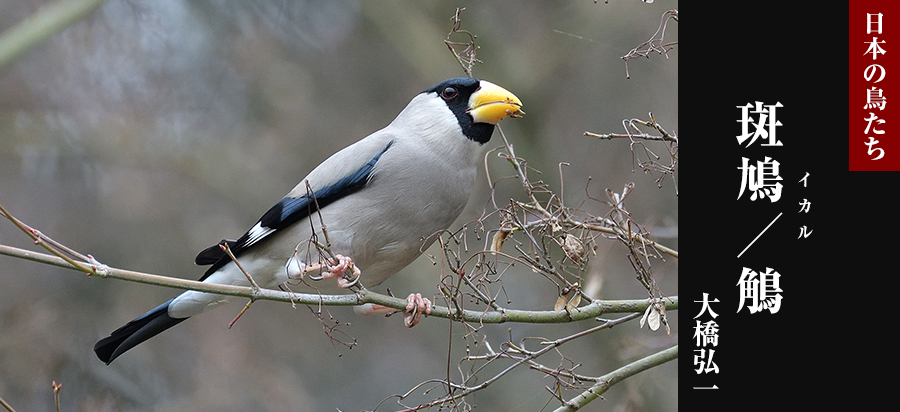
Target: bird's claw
(330,268)
(416,305)
(339,271)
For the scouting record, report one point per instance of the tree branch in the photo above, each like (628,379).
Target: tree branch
(592,310)
(526,358)
(40,26)
(618,375)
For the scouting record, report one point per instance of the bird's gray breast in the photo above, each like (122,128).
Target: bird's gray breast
(411,195)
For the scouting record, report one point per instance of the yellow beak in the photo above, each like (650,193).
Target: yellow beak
(491,103)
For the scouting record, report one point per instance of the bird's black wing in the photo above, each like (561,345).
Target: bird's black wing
(286,212)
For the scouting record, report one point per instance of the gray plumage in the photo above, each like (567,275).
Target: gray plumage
(379,197)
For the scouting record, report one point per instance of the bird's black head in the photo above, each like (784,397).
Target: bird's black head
(477,104)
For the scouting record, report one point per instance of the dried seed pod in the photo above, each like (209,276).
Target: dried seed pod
(573,247)
(569,299)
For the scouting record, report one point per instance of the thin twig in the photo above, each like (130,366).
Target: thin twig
(618,375)
(40,26)
(51,245)
(56,388)
(550,345)
(6,406)
(466,59)
(654,44)
(253,286)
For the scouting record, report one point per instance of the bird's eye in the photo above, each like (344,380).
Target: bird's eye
(449,93)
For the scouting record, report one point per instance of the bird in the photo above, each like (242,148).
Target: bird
(381,199)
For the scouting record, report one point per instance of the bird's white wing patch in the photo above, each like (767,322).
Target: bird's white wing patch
(257,233)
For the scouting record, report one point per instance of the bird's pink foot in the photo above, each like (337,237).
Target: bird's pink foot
(416,305)
(338,270)
(330,268)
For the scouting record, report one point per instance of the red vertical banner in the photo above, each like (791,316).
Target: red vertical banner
(874,73)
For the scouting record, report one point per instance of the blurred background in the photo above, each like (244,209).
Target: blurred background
(153,129)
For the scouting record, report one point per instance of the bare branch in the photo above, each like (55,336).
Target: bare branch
(655,44)
(56,388)
(22,37)
(618,375)
(517,353)
(364,296)
(648,161)
(466,57)
(6,406)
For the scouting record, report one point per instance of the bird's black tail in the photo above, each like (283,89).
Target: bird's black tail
(145,327)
